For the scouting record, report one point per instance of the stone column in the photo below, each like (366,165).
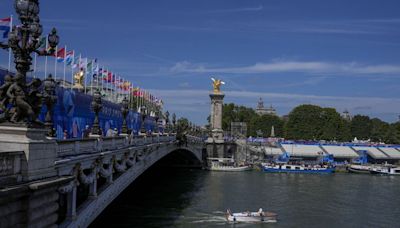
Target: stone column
(216,117)
(93,186)
(71,203)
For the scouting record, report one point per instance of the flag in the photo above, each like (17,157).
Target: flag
(83,63)
(43,42)
(75,62)
(69,58)
(60,55)
(89,65)
(5,26)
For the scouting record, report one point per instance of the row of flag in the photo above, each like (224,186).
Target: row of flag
(97,74)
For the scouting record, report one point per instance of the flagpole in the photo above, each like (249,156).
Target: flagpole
(91,79)
(65,58)
(84,76)
(9,49)
(55,64)
(72,70)
(45,60)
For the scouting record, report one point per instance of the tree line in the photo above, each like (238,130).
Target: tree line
(312,122)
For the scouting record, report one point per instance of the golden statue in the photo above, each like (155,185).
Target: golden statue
(217,85)
(78,79)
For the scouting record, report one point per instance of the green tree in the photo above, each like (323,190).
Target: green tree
(305,122)
(361,127)
(332,124)
(265,123)
(379,130)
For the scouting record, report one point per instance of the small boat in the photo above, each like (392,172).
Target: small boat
(227,165)
(363,169)
(251,217)
(289,168)
(227,168)
(386,170)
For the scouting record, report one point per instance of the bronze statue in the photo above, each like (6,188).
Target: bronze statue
(35,96)
(8,81)
(16,94)
(217,85)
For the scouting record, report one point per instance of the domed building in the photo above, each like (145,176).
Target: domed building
(261,110)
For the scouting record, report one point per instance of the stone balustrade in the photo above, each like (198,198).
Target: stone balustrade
(10,166)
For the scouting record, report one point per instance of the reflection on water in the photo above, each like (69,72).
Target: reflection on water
(197,198)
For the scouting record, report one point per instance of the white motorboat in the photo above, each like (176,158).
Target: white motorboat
(227,165)
(251,217)
(386,170)
(365,169)
(227,168)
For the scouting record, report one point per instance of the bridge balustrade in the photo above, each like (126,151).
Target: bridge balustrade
(10,166)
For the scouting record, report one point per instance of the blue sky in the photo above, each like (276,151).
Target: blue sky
(343,54)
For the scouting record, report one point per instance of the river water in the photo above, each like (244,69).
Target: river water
(196,198)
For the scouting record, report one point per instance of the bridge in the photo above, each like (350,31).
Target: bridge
(68,183)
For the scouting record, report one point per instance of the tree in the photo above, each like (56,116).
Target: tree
(332,124)
(305,122)
(361,127)
(265,123)
(379,129)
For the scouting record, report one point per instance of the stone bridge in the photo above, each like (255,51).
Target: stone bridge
(68,183)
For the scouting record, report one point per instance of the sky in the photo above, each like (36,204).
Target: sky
(343,54)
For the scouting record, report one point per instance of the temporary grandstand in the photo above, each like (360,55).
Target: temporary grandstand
(391,152)
(373,152)
(340,152)
(300,150)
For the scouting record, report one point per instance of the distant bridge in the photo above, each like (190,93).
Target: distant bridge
(88,174)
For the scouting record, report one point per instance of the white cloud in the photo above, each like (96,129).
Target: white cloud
(313,67)
(196,102)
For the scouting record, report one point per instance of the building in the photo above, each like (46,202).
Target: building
(346,115)
(261,110)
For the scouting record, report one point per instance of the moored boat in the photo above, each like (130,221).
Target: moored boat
(227,165)
(290,168)
(229,168)
(386,170)
(363,169)
(251,217)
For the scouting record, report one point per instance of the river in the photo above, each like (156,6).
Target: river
(196,198)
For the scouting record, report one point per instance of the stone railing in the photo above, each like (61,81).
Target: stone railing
(72,147)
(10,166)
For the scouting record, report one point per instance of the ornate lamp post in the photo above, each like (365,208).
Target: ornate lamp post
(143,113)
(173,123)
(167,122)
(49,98)
(23,41)
(96,106)
(156,118)
(124,111)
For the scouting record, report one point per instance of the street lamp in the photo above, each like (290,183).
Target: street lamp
(166,130)
(143,113)
(23,40)
(124,111)
(156,118)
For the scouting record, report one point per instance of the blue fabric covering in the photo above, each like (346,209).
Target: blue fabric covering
(72,113)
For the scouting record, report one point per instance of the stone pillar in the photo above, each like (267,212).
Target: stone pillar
(39,152)
(93,186)
(215,143)
(71,203)
(216,117)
